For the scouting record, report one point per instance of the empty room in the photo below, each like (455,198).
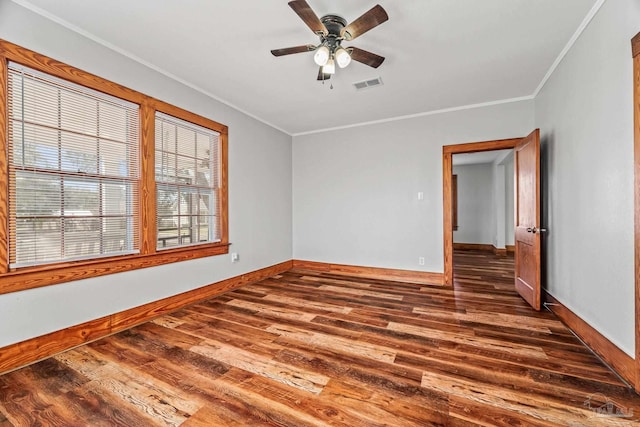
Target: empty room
(316,212)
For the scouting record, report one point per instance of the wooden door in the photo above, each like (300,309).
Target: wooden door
(527,221)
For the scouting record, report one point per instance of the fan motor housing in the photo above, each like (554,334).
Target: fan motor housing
(334,24)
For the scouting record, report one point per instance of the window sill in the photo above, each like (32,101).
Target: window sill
(35,277)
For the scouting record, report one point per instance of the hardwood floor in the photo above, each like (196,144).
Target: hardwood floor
(308,349)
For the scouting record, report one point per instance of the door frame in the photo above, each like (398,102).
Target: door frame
(635,49)
(447,191)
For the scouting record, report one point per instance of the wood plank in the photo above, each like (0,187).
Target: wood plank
(153,398)
(32,350)
(70,390)
(336,343)
(467,355)
(262,406)
(215,416)
(323,410)
(372,407)
(483,343)
(250,362)
(523,406)
(4,422)
(20,390)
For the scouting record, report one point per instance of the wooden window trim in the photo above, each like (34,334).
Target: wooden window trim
(49,274)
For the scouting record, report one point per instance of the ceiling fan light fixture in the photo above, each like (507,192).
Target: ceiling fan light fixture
(329,67)
(321,57)
(342,57)
(332,31)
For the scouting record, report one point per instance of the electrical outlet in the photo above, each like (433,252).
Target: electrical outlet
(421,260)
(235,257)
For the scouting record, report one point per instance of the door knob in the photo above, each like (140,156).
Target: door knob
(535,230)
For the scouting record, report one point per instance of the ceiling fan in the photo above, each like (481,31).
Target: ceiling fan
(332,30)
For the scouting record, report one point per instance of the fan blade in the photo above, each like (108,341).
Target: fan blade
(295,49)
(367,58)
(304,11)
(370,19)
(323,76)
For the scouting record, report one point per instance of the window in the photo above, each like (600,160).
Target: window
(73,170)
(187,182)
(96,178)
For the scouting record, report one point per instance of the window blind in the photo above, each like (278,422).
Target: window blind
(187,170)
(73,170)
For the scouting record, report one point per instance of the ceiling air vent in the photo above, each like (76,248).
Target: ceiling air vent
(368,83)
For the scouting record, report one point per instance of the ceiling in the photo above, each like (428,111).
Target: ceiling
(440,54)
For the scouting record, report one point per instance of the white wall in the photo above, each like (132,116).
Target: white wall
(485,202)
(355,190)
(585,113)
(259,194)
(509,218)
(476,208)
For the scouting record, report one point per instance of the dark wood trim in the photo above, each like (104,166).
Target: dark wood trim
(447,219)
(60,273)
(474,147)
(147,217)
(635,45)
(29,58)
(636,172)
(4,167)
(447,205)
(618,360)
(480,247)
(407,276)
(223,192)
(30,351)
(511,249)
(447,168)
(500,251)
(474,247)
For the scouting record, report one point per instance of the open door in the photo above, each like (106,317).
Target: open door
(527,221)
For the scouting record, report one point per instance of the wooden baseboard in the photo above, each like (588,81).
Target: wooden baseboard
(473,247)
(407,276)
(30,351)
(618,360)
(511,249)
(483,247)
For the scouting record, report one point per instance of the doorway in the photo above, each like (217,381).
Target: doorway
(448,152)
(483,216)
(527,210)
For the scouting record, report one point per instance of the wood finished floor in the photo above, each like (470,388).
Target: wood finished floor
(308,349)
